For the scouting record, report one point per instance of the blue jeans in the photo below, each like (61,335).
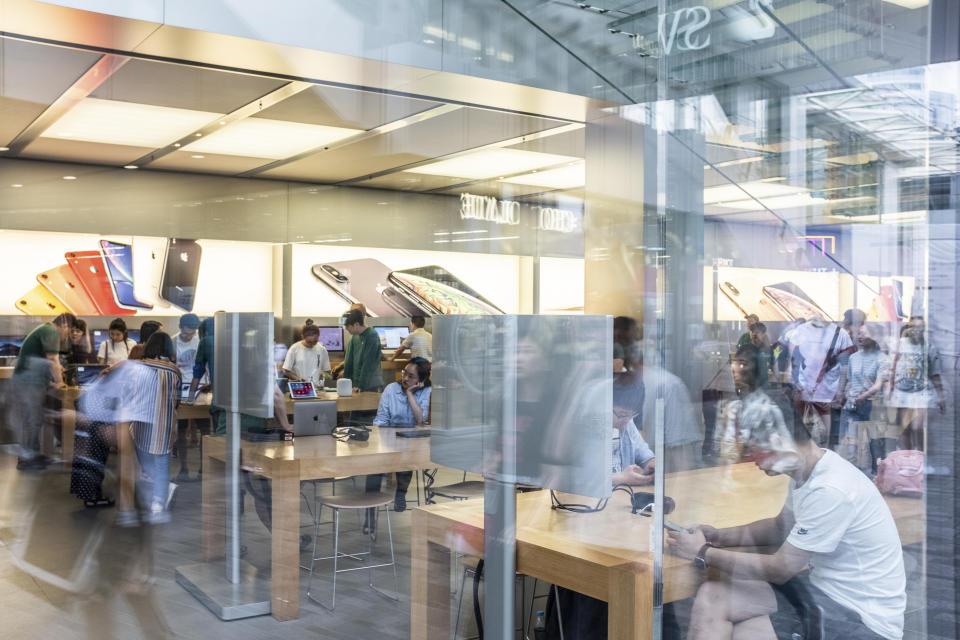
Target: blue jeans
(849,424)
(157,468)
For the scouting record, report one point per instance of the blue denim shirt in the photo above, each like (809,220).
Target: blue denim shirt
(394,410)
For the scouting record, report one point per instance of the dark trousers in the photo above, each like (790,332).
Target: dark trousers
(374,481)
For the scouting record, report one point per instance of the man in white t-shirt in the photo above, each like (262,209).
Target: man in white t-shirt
(419,341)
(834,521)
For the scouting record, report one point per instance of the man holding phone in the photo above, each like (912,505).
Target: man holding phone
(834,521)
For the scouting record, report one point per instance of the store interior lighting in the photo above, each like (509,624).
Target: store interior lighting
(492,163)
(127,123)
(273,139)
(572,176)
(730,193)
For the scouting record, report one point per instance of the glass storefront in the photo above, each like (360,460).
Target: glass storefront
(414,237)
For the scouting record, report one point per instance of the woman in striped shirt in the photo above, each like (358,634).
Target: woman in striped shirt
(151,399)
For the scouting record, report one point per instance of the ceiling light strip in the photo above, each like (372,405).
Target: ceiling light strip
(505,178)
(364,135)
(546,133)
(251,108)
(86,84)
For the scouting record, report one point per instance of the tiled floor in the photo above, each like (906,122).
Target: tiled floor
(67,572)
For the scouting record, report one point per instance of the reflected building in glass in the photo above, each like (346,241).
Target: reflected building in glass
(566,319)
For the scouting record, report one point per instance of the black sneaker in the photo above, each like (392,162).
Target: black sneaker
(400,501)
(370,522)
(305,542)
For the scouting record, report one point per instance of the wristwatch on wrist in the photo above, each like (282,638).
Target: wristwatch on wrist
(700,562)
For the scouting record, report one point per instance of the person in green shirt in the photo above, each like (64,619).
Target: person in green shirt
(37,370)
(361,361)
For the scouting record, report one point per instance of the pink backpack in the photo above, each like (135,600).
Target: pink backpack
(901,473)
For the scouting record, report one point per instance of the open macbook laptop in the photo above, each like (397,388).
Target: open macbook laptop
(314,418)
(87,374)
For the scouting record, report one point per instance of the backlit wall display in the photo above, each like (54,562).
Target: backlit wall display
(399,283)
(98,275)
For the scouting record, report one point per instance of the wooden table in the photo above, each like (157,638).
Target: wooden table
(363,401)
(287,464)
(605,555)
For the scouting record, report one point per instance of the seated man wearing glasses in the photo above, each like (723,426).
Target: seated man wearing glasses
(834,521)
(632,459)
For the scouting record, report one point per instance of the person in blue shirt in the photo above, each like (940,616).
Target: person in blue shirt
(402,404)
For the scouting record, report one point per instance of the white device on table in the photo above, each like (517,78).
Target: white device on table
(344,387)
(314,418)
(300,390)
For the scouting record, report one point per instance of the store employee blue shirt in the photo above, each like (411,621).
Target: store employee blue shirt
(394,410)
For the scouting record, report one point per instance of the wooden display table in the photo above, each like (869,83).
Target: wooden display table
(604,555)
(287,464)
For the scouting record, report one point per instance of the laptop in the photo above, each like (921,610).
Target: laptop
(87,374)
(314,418)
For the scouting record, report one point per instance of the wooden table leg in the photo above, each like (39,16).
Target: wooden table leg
(128,468)
(68,427)
(285,539)
(630,610)
(429,583)
(213,506)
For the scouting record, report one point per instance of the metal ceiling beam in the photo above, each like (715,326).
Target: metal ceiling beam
(86,84)
(251,108)
(363,135)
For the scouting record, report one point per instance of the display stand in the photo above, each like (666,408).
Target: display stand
(234,588)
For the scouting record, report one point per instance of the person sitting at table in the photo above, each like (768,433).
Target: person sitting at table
(117,347)
(632,460)
(307,359)
(834,521)
(403,404)
(632,464)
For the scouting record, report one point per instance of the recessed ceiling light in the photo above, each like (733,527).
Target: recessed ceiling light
(130,166)
(274,139)
(16,186)
(176,144)
(223,122)
(69,177)
(128,123)
(492,163)
(197,156)
(66,134)
(198,134)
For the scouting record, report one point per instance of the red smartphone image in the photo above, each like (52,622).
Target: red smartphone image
(89,269)
(63,283)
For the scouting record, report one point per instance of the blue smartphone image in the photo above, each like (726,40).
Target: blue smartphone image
(119,260)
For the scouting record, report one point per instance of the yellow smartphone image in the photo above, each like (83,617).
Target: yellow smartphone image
(40,302)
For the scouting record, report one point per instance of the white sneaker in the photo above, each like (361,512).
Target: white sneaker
(157,514)
(170,491)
